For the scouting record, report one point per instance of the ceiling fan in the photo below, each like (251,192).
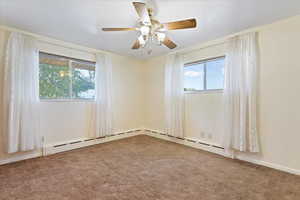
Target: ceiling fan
(152,30)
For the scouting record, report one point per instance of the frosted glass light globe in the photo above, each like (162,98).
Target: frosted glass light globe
(160,36)
(145,30)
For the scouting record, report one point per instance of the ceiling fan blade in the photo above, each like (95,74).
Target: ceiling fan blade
(136,45)
(169,43)
(118,29)
(183,24)
(142,11)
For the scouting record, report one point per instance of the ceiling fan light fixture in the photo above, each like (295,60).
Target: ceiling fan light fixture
(151,30)
(160,36)
(141,40)
(163,29)
(145,30)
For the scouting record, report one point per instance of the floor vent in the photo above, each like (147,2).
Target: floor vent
(217,147)
(84,142)
(60,145)
(75,142)
(203,143)
(89,139)
(190,140)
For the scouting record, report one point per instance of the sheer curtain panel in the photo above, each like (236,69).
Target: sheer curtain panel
(21,92)
(102,116)
(240,94)
(174,95)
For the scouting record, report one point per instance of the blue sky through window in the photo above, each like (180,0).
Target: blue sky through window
(208,75)
(215,74)
(194,77)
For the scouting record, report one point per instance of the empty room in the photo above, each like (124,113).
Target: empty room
(150,100)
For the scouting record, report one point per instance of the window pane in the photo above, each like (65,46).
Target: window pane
(54,80)
(215,74)
(66,78)
(194,77)
(83,80)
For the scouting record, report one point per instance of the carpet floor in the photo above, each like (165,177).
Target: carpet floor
(143,168)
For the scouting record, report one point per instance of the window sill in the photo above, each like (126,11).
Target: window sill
(204,92)
(68,100)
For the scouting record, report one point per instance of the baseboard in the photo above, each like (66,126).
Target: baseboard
(161,135)
(17,158)
(187,142)
(268,164)
(85,142)
(73,144)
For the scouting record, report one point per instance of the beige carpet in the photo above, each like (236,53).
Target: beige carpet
(141,168)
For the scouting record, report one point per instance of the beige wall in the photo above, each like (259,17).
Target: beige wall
(279,95)
(139,96)
(203,111)
(65,121)
(73,120)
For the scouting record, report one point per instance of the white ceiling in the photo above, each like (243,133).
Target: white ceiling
(79,21)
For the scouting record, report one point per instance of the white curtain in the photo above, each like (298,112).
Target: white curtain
(102,109)
(174,95)
(240,94)
(21,92)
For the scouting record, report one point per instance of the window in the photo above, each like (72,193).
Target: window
(66,78)
(204,75)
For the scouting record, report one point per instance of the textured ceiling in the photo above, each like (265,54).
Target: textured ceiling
(80,22)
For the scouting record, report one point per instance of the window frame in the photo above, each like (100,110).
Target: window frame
(70,69)
(204,62)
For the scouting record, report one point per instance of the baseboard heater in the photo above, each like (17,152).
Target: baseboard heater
(80,143)
(189,140)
